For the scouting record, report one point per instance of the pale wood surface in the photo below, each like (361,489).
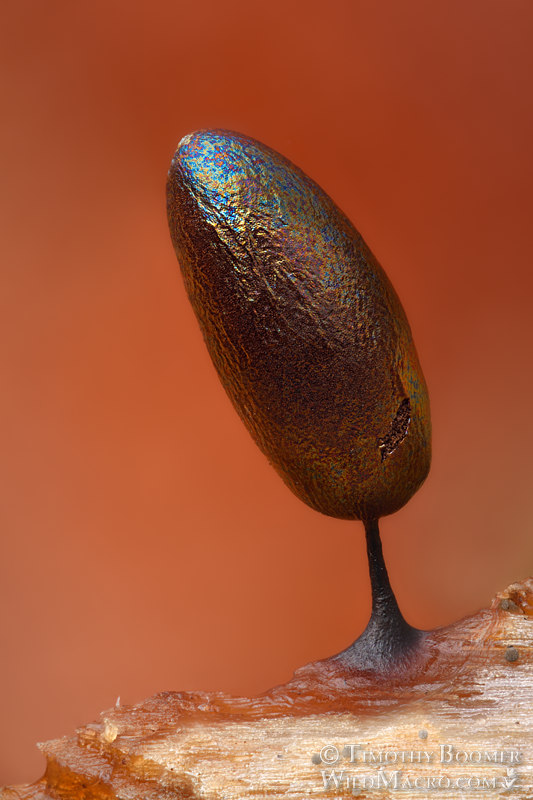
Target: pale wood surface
(470,692)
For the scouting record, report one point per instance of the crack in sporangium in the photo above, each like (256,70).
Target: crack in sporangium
(398,430)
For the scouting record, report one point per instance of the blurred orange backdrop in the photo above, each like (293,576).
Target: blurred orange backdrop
(146,542)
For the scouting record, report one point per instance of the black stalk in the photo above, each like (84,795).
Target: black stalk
(388,640)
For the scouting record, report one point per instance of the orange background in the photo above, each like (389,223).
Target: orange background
(146,542)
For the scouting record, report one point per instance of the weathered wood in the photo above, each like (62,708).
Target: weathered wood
(457,722)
